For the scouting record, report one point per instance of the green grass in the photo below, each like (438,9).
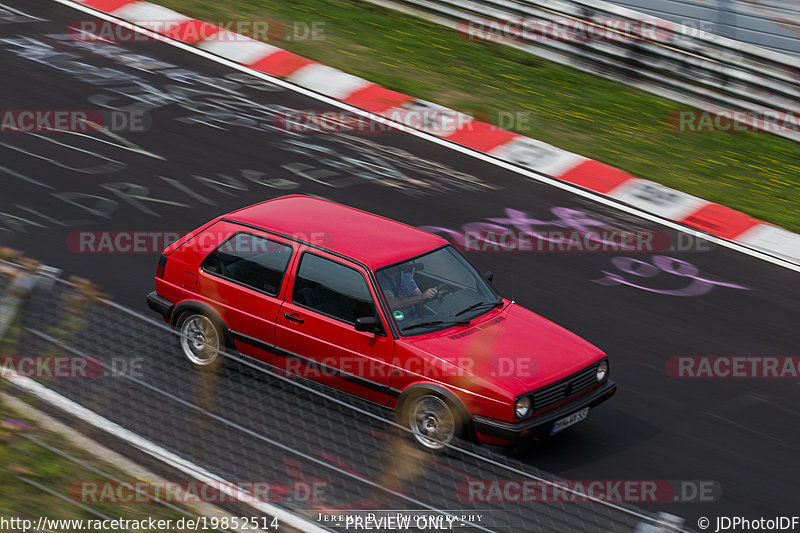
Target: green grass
(754,172)
(20,457)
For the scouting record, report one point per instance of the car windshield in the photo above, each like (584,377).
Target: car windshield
(435,291)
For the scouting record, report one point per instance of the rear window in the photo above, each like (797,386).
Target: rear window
(250,260)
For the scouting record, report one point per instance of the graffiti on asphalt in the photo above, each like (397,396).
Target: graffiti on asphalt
(345,160)
(520,221)
(662,264)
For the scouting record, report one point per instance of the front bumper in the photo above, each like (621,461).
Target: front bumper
(539,426)
(159,304)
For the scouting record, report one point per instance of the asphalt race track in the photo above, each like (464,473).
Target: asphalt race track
(213,143)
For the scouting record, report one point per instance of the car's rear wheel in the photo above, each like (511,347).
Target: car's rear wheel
(200,340)
(433,422)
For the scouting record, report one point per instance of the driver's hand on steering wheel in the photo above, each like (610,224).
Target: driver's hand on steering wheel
(430,294)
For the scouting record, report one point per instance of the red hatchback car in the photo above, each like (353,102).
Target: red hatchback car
(381,310)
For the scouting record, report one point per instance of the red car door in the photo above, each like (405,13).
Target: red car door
(245,278)
(316,327)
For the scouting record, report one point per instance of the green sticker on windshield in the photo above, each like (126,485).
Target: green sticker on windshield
(398,315)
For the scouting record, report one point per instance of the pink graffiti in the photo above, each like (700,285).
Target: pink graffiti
(520,221)
(663,264)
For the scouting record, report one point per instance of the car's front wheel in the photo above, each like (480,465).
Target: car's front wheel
(433,422)
(200,340)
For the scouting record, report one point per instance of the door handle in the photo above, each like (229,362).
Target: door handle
(293,317)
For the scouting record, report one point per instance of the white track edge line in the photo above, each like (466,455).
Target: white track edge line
(160,453)
(468,151)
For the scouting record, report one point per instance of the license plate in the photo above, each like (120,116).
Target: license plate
(567,421)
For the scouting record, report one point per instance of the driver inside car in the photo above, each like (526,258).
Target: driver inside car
(402,292)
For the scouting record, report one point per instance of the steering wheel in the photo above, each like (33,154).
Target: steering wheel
(440,290)
(431,306)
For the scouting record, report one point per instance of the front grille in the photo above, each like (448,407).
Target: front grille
(557,392)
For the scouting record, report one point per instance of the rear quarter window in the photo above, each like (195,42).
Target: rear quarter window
(251,260)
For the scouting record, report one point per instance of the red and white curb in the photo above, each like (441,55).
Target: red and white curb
(715,219)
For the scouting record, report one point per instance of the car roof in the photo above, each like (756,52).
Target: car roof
(370,239)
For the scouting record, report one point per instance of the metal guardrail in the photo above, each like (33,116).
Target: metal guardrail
(771,24)
(250,422)
(678,62)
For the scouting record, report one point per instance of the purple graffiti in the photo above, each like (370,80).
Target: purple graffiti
(520,221)
(663,264)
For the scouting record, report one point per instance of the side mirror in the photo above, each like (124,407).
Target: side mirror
(367,323)
(488,275)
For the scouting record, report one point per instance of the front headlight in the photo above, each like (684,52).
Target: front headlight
(602,371)
(522,407)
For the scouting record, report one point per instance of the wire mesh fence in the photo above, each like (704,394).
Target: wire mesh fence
(143,493)
(293,443)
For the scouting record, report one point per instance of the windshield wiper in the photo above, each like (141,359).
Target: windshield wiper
(479,304)
(435,323)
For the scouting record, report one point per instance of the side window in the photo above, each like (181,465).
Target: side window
(332,289)
(251,260)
